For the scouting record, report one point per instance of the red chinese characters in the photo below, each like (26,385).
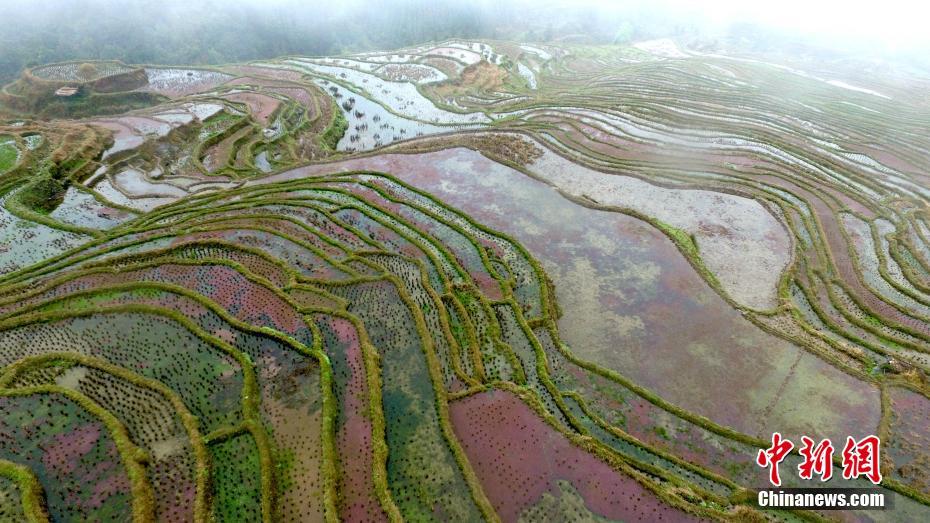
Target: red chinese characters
(774,455)
(861,458)
(817,460)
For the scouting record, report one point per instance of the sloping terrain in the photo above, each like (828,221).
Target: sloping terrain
(459,282)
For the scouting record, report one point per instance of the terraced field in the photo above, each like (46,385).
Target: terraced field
(463,281)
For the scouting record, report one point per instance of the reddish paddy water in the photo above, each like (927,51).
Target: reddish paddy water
(633,303)
(503,439)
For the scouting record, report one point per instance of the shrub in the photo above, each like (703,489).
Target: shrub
(335,131)
(43,194)
(87,71)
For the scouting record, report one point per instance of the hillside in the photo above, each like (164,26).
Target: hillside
(459,281)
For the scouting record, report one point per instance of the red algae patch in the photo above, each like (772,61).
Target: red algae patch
(504,441)
(907,446)
(261,106)
(359,501)
(632,303)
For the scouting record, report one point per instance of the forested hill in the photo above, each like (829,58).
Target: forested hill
(226,31)
(175,32)
(213,32)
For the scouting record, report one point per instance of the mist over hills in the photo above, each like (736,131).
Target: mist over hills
(213,32)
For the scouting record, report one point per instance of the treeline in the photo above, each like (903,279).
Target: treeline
(210,32)
(223,31)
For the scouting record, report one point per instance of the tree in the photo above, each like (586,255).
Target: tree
(624,33)
(87,71)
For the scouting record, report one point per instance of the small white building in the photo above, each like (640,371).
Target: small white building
(66,91)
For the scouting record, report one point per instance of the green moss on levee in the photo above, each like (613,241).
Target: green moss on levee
(687,244)
(9,154)
(42,194)
(336,130)
(31,493)
(84,104)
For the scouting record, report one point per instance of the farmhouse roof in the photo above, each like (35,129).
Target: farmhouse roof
(66,91)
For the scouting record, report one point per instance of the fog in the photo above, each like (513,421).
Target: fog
(219,31)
